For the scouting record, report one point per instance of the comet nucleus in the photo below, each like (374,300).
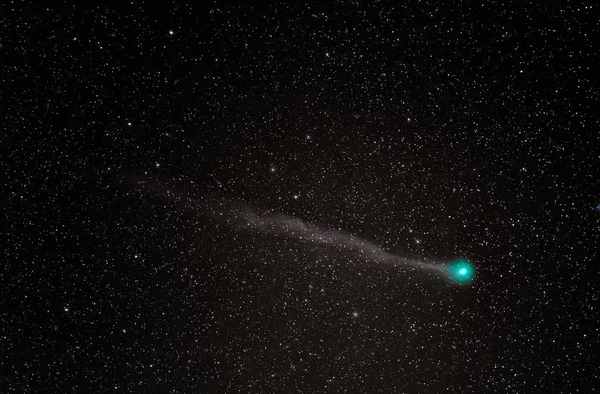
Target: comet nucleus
(461,271)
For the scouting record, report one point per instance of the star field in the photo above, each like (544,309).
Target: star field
(136,136)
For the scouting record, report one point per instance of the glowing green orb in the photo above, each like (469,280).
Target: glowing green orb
(461,271)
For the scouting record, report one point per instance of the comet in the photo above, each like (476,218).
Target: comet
(241,216)
(461,271)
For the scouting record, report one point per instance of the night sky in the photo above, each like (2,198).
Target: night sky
(156,162)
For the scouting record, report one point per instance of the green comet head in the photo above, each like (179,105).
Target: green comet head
(461,271)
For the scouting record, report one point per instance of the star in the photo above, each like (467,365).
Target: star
(272,169)
(355,314)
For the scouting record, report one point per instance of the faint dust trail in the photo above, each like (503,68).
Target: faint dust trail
(280,225)
(240,216)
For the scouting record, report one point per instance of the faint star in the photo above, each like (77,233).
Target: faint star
(326,54)
(272,169)
(355,314)
(171,32)
(418,241)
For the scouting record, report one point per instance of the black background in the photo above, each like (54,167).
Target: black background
(434,129)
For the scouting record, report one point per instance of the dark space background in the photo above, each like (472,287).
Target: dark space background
(434,129)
